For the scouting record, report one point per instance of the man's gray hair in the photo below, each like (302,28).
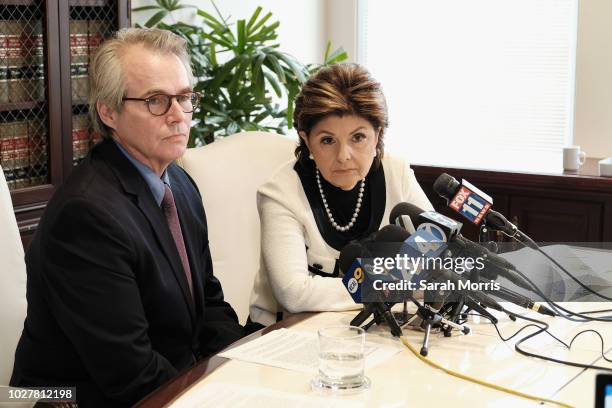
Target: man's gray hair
(106,78)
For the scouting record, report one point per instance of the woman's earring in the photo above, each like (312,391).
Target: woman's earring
(310,156)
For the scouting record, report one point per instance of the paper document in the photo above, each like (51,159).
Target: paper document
(216,395)
(298,351)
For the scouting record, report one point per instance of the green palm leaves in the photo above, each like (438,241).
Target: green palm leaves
(245,81)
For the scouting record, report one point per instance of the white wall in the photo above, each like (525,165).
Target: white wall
(342,26)
(303,23)
(593,98)
(593,106)
(306,25)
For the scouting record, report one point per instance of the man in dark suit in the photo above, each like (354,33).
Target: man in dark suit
(121,293)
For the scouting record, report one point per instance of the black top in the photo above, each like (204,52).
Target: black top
(342,204)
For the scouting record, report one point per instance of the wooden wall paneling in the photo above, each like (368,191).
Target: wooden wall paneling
(555,220)
(549,207)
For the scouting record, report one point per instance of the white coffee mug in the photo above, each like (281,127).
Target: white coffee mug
(573,158)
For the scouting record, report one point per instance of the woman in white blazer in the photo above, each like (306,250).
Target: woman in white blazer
(340,187)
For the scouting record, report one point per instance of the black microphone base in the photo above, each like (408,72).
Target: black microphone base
(382,314)
(363,315)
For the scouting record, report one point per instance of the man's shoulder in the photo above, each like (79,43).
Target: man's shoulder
(178,174)
(88,181)
(91,190)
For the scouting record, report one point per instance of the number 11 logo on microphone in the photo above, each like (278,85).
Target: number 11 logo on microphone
(470,204)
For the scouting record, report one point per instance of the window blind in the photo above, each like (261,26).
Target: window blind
(474,83)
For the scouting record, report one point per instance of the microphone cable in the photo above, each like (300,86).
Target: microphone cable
(597,311)
(476,380)
(446,186)
(518,348)
(518,331)
(556,307)
(544,328)
(562,268)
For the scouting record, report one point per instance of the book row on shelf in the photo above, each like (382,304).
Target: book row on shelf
(83,137)
(23,152)
(21,61)
(85,38)
(23,149)
(22,72)
(22,83)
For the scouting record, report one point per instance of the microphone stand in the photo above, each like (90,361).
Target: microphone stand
(455,311)
(464,299)
(484,238)
(381,314)
(432,318)
(497,222)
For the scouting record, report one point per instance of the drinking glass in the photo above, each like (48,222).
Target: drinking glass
(341,360)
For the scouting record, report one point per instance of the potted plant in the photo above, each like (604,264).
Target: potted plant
(238,70)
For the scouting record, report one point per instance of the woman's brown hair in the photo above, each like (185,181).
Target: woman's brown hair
(340,89)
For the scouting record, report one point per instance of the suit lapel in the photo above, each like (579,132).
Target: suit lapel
(133,183)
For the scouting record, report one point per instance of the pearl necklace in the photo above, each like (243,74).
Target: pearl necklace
(329,214)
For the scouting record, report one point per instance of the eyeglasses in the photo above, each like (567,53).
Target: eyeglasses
(159,104)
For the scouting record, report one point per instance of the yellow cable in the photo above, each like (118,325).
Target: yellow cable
(476,380)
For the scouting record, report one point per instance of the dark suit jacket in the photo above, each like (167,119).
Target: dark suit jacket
(109,308)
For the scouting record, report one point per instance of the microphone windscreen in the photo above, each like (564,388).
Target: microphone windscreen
(405,209)
(391,233)
(348,254)
(446,186)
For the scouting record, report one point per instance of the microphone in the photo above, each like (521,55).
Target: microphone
(522,301)
(409,242)
(446,186)
(496,265)
(399,217)
(428,245)
(447,230)
(465,199)
(501,293)
(476,206)
(355,277)
(416,245)
(349,254)
(391,233)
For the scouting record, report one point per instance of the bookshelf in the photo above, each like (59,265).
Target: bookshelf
(45,47)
